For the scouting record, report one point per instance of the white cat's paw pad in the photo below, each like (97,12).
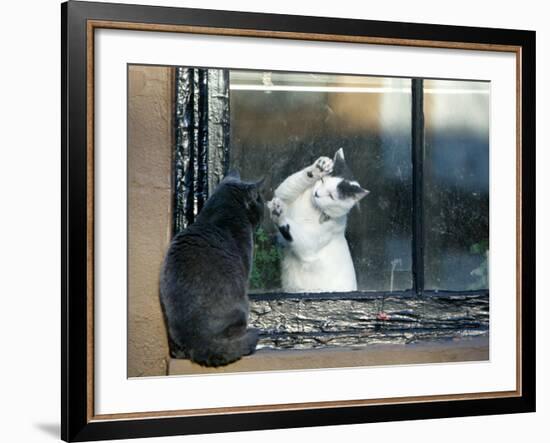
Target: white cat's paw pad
(323,166)
(276,208)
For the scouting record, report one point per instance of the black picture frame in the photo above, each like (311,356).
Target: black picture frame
(77,419)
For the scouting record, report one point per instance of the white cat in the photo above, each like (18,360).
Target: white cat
(310,209)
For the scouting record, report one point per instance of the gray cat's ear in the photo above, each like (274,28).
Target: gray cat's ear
(233,173)
(254,193)
(254,189)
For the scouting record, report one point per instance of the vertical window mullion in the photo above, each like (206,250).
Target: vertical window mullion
(417,86)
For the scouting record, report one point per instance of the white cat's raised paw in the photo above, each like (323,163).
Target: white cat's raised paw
(322,167)
(276,209)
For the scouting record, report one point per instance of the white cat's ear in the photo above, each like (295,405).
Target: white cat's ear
(340,168)
(339,155)
(362,193)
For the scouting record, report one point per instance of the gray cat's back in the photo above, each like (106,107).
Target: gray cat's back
(200,270)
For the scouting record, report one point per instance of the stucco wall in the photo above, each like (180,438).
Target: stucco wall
(150,104)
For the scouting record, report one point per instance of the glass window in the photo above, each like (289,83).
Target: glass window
(282,122)
(456,184)
(273,124)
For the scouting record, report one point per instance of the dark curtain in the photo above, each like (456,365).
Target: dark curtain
(201,139)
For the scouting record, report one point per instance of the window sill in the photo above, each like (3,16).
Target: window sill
(469,349)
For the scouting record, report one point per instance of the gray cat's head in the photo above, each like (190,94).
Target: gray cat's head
(235,195)
(335,195)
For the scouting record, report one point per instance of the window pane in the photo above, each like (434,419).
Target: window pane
(456,171)
(282,122)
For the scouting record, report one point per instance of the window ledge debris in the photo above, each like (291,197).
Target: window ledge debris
(313,323)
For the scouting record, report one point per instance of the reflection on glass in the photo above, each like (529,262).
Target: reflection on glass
(282,122)
(456,184)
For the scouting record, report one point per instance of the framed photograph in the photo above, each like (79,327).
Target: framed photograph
(277,221)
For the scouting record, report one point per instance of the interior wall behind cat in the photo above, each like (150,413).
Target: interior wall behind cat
(150,140)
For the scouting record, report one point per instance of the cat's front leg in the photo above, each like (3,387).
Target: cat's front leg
(277,210)
(301,242)
(295,185)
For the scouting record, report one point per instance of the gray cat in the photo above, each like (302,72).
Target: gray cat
(204,279)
